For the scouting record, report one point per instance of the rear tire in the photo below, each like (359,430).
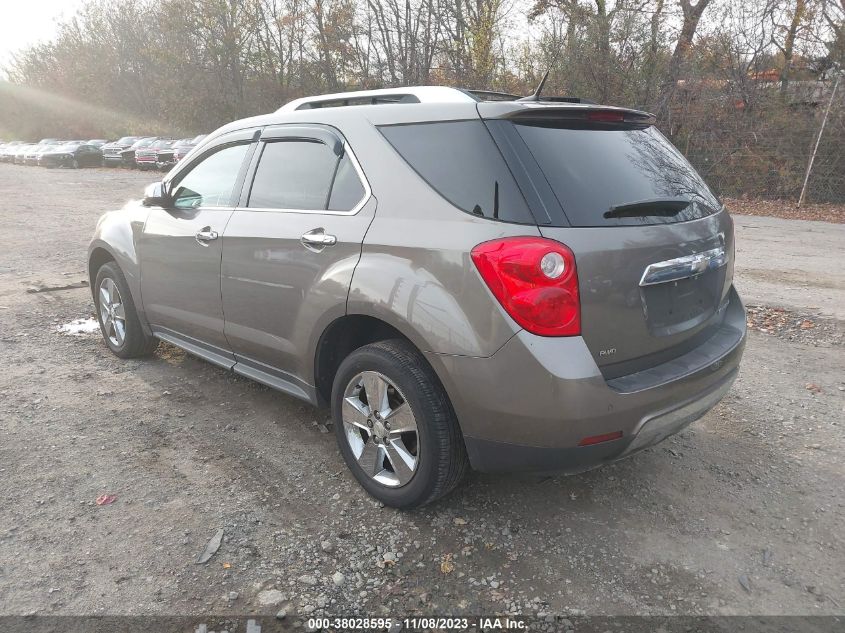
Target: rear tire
(401,468)
(119,322)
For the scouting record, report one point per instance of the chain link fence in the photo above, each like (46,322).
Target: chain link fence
(761,149)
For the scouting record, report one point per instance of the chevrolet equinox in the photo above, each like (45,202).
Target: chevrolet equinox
(466,279)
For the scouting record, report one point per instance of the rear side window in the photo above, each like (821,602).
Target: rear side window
(460,161)
(597,174)
(299,174)
(293,175)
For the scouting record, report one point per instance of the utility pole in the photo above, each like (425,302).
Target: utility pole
(818,140)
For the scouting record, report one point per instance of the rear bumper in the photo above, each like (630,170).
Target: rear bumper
(527,407)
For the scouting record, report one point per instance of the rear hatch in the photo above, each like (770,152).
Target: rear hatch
(653,245)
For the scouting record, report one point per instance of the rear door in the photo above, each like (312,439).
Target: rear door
(180,248)
(652,244)
(289,251)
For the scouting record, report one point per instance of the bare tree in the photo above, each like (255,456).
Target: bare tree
(691,17)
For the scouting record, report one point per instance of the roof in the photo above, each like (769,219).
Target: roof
(417,104)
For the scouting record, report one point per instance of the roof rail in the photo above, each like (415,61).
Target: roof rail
(409,94)
(492,95)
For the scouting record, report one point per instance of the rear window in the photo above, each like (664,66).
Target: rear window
(460,161)
(596,171)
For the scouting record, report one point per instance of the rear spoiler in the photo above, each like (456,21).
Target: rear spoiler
(573,113)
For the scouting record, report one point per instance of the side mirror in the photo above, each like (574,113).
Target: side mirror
(155,195)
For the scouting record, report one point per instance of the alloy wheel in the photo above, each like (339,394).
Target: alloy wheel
(112,312)
(381,429)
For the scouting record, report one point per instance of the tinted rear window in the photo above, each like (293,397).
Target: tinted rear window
(593,170)
(462,163)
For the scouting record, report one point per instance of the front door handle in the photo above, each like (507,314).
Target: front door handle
(205,236)
(317,239)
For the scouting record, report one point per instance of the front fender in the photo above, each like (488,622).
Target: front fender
(116,238)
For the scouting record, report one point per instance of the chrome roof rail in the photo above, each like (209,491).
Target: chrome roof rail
(407,94)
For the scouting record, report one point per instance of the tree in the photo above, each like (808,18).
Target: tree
(691,16)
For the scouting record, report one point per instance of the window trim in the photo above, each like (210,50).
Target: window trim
(347,151)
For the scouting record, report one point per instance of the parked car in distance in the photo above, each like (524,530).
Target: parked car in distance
(113,152)
(183,150)
(165,156)
(547,285)
(31,155)
(73,155)
(96,142)
(7,153)
(146,156)
(128,154)
(18,154)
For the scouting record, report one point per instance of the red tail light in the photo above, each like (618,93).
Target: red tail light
(605,116)
(535,281)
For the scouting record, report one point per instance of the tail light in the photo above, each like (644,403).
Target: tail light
(535,281)
(606,116)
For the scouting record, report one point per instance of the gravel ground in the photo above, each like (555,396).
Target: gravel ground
(742,513)
(787,209)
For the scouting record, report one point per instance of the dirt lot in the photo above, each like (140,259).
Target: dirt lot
(740,514)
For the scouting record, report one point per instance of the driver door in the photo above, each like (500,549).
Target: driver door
(180,249)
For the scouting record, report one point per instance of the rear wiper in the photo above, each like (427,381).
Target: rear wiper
(655,206)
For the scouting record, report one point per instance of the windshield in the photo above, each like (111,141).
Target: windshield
(594,171)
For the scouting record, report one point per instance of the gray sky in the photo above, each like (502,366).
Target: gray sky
(24,22)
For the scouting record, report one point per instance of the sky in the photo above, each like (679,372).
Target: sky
(25,22)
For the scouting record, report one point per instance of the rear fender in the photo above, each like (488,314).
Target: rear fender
(418,276)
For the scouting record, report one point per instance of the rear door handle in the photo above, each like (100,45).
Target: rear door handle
(317,239)
(205,236)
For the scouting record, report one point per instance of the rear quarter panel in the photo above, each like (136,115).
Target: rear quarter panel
(415,271)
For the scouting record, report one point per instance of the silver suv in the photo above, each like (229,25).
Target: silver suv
(541,285)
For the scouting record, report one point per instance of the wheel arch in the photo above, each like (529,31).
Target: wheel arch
(98,256)
(114,242)
(340,338)
(351,331)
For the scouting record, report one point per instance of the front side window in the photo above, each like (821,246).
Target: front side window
(211,181)
(293,174)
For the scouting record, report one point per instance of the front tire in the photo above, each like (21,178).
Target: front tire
(395,426)
(119,322)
